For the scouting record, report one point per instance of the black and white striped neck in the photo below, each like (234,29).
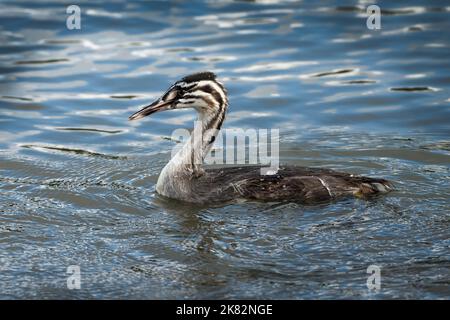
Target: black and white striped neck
(209,98)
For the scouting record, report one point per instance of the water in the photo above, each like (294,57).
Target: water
(77,179)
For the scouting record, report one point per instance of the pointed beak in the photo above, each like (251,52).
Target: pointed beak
(156,106)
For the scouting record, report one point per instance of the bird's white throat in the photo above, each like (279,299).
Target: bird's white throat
(187,162)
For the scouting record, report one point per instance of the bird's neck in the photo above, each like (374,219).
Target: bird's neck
(190,157)
(187,162)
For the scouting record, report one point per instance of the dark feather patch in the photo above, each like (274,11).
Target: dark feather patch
(295,184)
(199,77)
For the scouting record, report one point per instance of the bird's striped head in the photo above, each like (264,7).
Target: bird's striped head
(200,91)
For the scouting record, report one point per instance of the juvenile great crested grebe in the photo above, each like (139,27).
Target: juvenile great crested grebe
(183,178)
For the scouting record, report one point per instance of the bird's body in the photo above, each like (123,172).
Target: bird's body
(184,177)
(292,183)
